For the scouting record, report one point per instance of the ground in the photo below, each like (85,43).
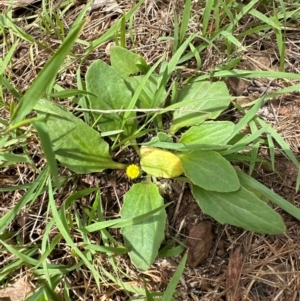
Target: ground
(232,264)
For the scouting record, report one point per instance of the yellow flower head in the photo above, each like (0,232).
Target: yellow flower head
(133,171)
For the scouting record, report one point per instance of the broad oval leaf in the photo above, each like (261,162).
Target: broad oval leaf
(207,101)
(209,170)
(111,94)
(143,239)
(160,163)
(209,132)
(76,145)
(125,61)
(240,208)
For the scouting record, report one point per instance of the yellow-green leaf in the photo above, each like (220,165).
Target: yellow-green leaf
(160,163)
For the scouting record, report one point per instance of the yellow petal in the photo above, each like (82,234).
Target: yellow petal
(160,163)
(132,171)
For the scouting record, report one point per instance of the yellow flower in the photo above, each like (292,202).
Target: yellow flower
(133,171)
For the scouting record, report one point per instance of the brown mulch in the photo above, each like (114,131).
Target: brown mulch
(239,265)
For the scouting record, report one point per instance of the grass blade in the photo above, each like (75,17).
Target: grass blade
(206,17)
(61,223)
(255,147)
(35,189)
(47,75)
(174,280)
(269,194)
(176,33)
(185,20)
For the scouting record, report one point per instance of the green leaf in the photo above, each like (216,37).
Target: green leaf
(140,87)
(76,145)
(240,208)
(6,156)
(210,132)
(161,137)
(209,100)
(146,97)
(143,239)
(3,141)
(42,130)
(6,83)
(209,170)
(124,61)
(111,94)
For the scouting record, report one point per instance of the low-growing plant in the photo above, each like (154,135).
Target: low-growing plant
(127,102)
(177,132)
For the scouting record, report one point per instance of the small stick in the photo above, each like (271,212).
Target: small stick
(178,205)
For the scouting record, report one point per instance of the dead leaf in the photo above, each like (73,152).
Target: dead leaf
(106,5)
(236,85)
(263,60)
(15,292)
(233,276)
(199,243)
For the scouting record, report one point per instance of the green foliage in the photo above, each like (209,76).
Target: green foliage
(126,63)
(31,194)
(76,144)
(201,153)
(208,132)
(209,170)
(145,99)
(240,208)
(171,288)
(111,93)
(198,102)
(143,239)
(46,76)
(216,185)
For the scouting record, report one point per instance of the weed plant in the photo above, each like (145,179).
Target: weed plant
(175,128)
